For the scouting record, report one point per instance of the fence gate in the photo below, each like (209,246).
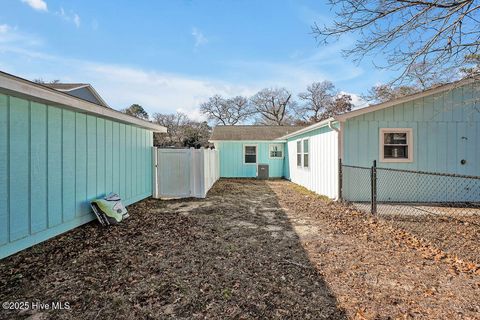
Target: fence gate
(183,173)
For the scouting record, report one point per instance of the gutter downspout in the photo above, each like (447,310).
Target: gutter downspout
(338,148)
(331,127)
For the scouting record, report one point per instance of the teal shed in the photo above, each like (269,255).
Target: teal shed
(243,147)
(58,152)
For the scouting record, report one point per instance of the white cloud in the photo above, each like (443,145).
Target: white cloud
(4,28)
(120,85)
(76,20)
(69,17)
(12,36)
(357,100)
(199,37)
(39,5)
(158,91)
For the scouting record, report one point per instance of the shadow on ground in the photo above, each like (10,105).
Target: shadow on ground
(232,255)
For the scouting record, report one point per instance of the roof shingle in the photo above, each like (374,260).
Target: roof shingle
(251,132)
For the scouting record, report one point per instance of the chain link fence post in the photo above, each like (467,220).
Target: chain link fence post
(373,182)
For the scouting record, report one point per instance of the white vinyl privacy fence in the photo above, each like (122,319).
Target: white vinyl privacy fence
(184,173)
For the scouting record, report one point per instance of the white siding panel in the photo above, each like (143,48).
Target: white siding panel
(322,175)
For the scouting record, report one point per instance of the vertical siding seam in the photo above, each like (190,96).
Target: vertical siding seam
(125,161)
(29,116)
(61,165)
(75,162)
(111,164)
(86,158)
(46,147)
(8,170)
(105,157)
(96,157)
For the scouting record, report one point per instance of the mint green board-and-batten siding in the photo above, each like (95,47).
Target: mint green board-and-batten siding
(232,163)
(445,129)
(53,161)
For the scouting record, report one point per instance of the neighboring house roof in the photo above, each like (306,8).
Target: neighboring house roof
(65,86)
(74,90)
(251,132)
(19,87)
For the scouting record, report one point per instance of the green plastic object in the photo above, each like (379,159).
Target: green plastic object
(109,210)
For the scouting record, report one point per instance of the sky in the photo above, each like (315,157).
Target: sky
(170,56)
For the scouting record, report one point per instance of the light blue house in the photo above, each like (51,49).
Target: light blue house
(437,130)
(243,148)
(58,152)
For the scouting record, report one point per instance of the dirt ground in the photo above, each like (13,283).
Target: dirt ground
(453,229)
(252,249)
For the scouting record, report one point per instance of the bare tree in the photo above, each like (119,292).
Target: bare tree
(472,67)
(181,131)
(273,106)
(196,134)
(321,101)
(226,111)
(318,97)
(41,81)
(410,32)
(341,104)
(386,92)
(174,124)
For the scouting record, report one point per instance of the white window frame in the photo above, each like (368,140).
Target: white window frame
(281,145)
(409,132)
(303,153)
(299,152)
(256,154)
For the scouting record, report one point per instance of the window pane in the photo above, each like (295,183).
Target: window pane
(395,138)
(250,158)
(276,154)
(250,150)
(395,152)
(305,160)
(276,150)
(299,146)
(305,146)
(299,160)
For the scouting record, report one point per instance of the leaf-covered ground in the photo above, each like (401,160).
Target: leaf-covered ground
(252,249)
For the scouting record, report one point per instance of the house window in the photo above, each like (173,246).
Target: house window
(275,151)
(396,145)
(299,153)
(305,153)
(250,154)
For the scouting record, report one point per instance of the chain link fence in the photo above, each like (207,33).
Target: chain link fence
(441,208)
